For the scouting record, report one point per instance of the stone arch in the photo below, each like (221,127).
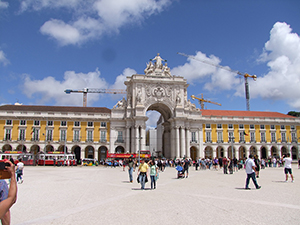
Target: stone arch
(35,149)
(21,148)
(208,152)
(194,153)
(119,149)
(284,150)
(166,115)
(77,151)
(61,148)
(49,148)
(242,152)
(6,147)
(295,152)
(102,152)
(220,152)
(274,151)
(89,152)
(263,152)
(162,108)
(230,152)
(253,150)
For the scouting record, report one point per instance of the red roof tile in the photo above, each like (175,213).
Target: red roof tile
(37,108)
(233,113)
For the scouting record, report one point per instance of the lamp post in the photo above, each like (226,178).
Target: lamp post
(65,149)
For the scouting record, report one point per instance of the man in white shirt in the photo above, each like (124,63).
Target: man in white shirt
(250,170)
(287,166)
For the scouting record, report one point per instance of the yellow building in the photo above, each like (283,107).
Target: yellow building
(85,131)
(266,134)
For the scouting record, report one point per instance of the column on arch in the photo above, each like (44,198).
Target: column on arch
(137,141)
(173,144)
(182,142)
(133,140)
(128,139)
(177,142)
(187,142)
(214,153)
(143,136)
(201,147)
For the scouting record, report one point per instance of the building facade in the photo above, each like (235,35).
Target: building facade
(183,130)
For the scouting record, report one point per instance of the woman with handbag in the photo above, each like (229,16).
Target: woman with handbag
(153,173)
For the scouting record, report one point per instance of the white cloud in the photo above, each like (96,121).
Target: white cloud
(282,54)
(3,58)
(93,18)
(282,82)
(51,90)
(119,83)
(203,69)
(65,34)
(3,5)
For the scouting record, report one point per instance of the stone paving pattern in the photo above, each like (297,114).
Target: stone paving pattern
(100,195)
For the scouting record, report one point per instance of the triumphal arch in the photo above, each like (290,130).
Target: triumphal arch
(180,128)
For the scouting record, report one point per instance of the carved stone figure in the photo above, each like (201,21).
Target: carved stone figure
(139,96)
(120,104)
(158,63)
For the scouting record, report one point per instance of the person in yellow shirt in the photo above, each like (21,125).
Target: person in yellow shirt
(143,173)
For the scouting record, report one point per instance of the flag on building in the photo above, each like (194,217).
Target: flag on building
(245,133)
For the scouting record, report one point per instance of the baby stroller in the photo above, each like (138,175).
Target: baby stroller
(180,172)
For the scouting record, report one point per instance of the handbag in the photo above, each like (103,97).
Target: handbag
(156,177)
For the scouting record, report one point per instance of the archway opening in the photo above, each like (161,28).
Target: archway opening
(102,152)
(159,130)
(77,151)
(208,152)
(295,153)
(120,149)
(193,153)
(89,152)
(263,152)
(242,152)
(274,152)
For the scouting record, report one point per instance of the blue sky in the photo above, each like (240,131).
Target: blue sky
(47,46)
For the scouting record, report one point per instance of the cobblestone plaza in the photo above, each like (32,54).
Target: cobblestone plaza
(103,195)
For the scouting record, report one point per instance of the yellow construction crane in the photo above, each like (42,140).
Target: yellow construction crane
(245,75)
(202,100)
(95,90)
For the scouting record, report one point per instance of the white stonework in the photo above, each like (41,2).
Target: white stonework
(157,90)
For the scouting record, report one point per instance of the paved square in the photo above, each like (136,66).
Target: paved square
(100,195)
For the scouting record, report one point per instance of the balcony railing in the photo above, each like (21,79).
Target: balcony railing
(89,140)
(119,141)
(103,141)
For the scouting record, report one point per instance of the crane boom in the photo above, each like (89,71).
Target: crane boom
(202,100)
(245,75)
(95,90)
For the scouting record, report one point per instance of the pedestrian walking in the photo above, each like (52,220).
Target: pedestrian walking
(186,164)
(225,165)
(19,171)
(143,173)
(250,170)
(288,167)
(153,174)
(131,169)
